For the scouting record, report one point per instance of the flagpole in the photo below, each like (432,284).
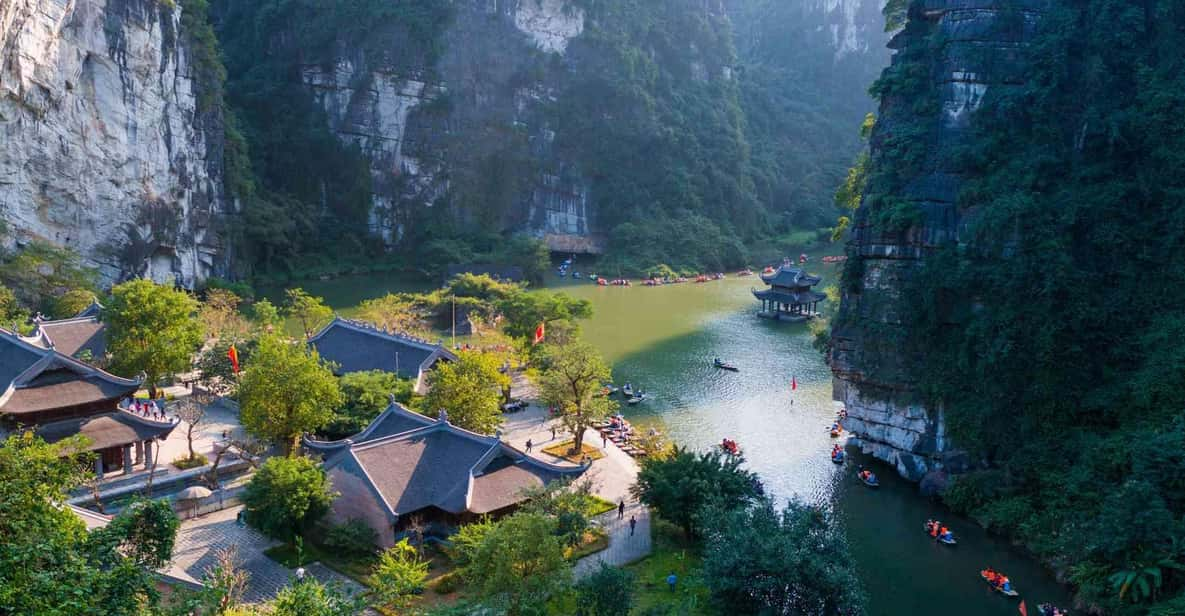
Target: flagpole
(454,321)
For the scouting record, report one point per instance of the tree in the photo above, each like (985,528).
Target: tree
(366,395)
(286,496)
(48,562)
(286,391)
(608,591)
(394,312)
(469,390)
(308,597)
(520,565)
(225,582)
(218,374)
(193,412)
(11,313)
(151,329)
(399,575)
(40,272)
(265,314)
(72,302)
(525,311)
(681,485)
(308,310)
(572,382)
(568,504)
(760,561)
(220,314)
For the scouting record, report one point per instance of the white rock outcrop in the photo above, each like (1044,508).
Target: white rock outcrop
(100,147)
(550,23)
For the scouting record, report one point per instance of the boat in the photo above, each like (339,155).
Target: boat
(871,482)
(837,458)
(836,432)
(610,389)
(628,390)
(951,541)
(730,447)
(1000,589)
(636,399)
(745,272)
(723,365)
(940,538)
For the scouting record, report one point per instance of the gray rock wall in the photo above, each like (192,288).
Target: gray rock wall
(972,47)
(100,147)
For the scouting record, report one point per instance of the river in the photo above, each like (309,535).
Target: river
(662,340)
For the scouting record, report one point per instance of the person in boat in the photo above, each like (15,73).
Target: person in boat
(1004,583)
(946,535)
(991,576)
(934,529)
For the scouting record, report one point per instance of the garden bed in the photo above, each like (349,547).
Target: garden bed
(562,450)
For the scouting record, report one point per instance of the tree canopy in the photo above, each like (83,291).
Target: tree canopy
(680,486)
(469,389)
(151,329)
(572,381)
(309,311)
(286,391)
(519,566)
(287,496)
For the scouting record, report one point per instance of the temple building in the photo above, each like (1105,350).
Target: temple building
(59,396)
(82,336)
(358,347)
(790,296)
(406,466)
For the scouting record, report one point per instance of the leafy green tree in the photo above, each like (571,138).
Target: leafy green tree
(11,313)
(221,317)
(308,597)
(680,486)
(48,563)
(152,329)
(40,272)
(218,374)
(308,310)
(265,314)
(572,381)
(520,565)
(464,544)
(287,496)
(761,561)
(72,302)
(469,389)
(366,395)
(395,312)
(286,391)
(525,311)
(608,591)
(399,575)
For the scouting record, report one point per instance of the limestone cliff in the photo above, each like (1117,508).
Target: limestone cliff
(102,148)
(948,56)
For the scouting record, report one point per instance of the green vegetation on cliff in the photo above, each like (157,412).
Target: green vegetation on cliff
(1051,335)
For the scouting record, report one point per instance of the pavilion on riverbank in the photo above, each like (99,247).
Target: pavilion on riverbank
(790,296)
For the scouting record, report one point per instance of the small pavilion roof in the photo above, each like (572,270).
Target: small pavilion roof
(107,430)
(790,276)
(73,336)
(789,297)
(357,347)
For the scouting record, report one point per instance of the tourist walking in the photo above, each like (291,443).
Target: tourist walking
(604,440)
(528,445)
(671,580)
(553,433)
(621,510)
(633,524)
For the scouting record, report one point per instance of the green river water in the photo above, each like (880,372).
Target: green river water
(662,340)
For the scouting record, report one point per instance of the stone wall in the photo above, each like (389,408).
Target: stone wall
(100,144)
(972,46)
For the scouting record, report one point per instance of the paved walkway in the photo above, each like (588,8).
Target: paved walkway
(200,539)
(624,547)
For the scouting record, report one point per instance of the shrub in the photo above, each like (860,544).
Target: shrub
(185,462)
(447,583)
(355,537)
(287,496)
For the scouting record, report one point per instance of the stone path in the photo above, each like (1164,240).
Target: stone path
(199,540)
(623,548)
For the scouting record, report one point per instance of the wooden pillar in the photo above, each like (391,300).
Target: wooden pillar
(127,459)
(99,466)
(148,453)
(139,452)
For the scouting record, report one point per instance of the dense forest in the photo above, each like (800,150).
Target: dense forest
(1049,331)
(693,132)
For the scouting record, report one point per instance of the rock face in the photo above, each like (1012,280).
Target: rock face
(102,148)
(967,48)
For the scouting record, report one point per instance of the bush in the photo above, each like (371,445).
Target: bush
(355,537)
(447,583)
(287,496)
(607,592)
(185,462)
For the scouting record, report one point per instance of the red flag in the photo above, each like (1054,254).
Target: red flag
(793,384)
(1023,610)
(539,334)
(233,355)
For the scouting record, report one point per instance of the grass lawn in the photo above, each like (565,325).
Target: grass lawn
(672,553)
(598,505)
(562,450)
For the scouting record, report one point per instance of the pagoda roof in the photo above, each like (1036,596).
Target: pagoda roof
(436,464)
(107,430)
(358,347)
(34,378)
(72,336)
(789,297)
(790,276)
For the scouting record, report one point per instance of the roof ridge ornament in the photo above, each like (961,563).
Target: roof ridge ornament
(442,415)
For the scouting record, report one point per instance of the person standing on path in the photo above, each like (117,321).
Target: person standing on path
(528,445)
(633,523)
(621,510)
(604,441)
(671,580)
(553,433)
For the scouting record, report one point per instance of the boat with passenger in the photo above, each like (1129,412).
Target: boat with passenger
(723,365)
(999,582)
(868,478)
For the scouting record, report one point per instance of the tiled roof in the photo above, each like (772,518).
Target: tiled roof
(790,297)
(358,347)
(106,430)
(394,420)
(34,378)
(437,464)
(73,336)
(789,276)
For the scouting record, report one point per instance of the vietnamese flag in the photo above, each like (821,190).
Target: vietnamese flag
(233,355)
(793,384)
(1023,610)
(539,334)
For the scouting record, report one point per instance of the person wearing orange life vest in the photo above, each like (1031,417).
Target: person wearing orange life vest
(990,575)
